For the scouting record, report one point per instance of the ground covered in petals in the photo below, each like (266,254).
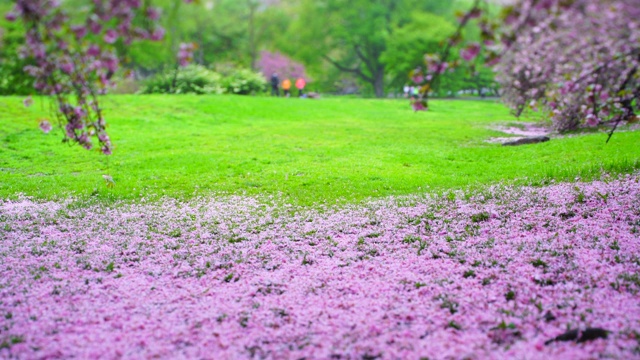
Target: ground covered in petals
(496,274)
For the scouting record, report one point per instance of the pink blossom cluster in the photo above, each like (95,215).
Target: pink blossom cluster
(185,53)
(577,60)
(428,76)
(275,62)
(74,61)
(499,273)
(470,52)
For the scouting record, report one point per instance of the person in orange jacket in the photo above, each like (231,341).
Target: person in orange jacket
(300,84)
(286,87)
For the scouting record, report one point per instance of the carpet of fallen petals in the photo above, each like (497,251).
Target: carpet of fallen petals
(495,274)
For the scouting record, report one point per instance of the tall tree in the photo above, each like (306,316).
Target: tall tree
(408,43)
(226,31)
(353,35)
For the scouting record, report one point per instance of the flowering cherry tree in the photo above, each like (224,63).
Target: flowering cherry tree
(428,77)
(75,58)
(275,62)
(577,60)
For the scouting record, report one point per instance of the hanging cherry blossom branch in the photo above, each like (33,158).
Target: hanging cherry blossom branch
(576,60)
(427,78)
(74,63)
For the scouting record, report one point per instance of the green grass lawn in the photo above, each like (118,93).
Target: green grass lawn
(309,150)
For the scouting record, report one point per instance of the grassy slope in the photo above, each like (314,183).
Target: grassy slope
(310,150)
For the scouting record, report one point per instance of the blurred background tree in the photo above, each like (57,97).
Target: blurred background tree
(345,46)
(13,80)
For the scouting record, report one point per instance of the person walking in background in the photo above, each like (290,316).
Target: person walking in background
(275,85)
(286,87)
(300,84)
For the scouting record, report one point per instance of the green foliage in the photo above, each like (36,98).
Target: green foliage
(409,41)
(539,263)
(148,57)
(378,52)
(13,79)
(469,274)
(193,79)
(480,217)
(196,79)
(244,82)
(510,295)
(226,31)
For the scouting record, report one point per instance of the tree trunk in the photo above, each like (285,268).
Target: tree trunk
(479,88)
(253,53)
(378,83)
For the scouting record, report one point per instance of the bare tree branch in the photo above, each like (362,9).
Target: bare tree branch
(355,70)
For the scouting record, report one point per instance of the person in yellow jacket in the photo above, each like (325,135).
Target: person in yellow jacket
(286,86)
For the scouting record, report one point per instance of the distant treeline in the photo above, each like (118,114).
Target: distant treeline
(344,46)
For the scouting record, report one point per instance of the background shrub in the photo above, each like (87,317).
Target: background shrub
(196,79)
(193,79)
(244,82)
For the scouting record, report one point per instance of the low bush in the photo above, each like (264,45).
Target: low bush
(193,79)
(197,79)
(244,82)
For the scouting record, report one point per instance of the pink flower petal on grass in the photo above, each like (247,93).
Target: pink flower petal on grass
(45,126)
